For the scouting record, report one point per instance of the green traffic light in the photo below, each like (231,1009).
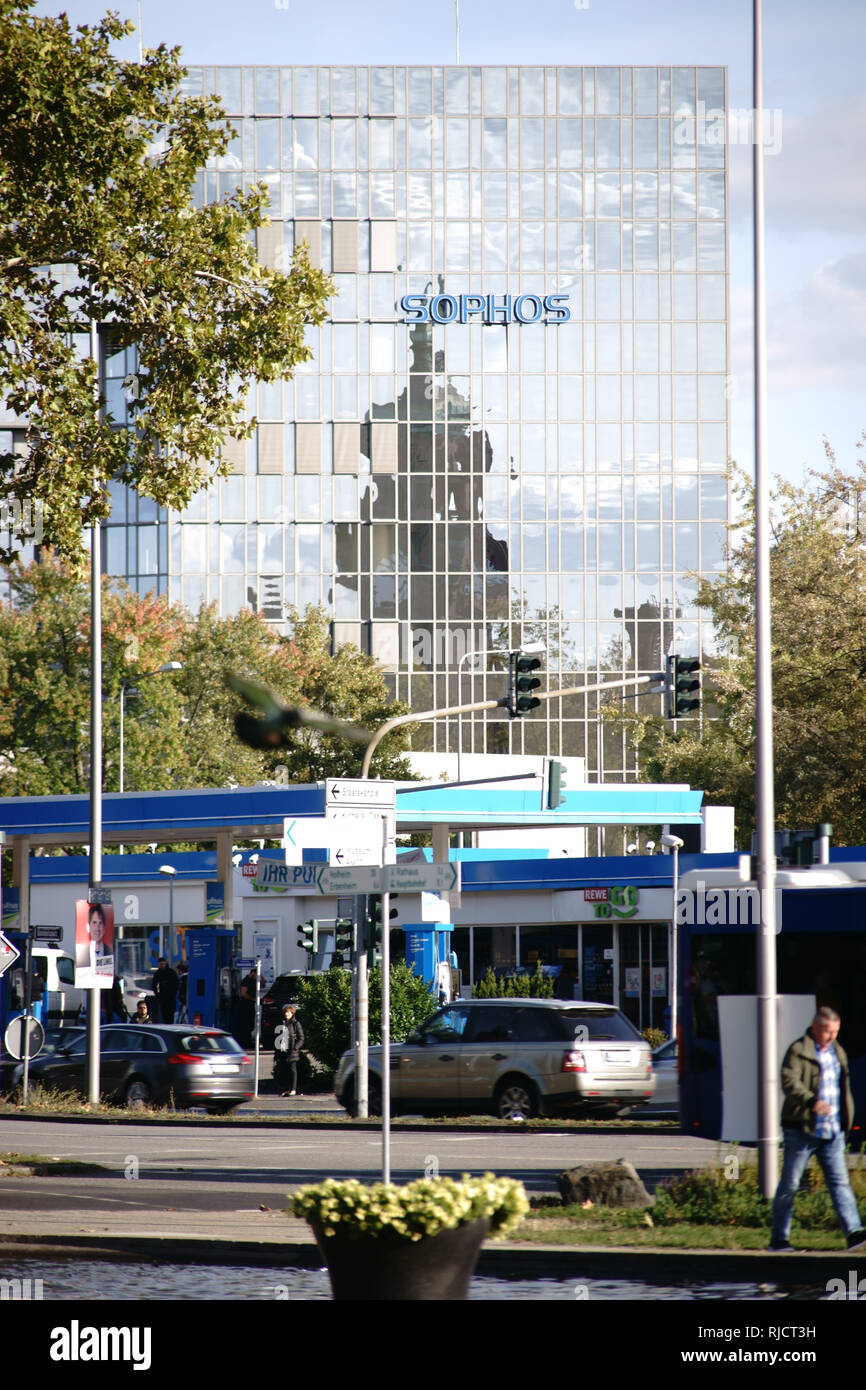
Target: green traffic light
(343,931)
(555,784)
(521,683)
(687,686)
(308,936)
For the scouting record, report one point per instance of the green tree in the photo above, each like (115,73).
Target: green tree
(178,730)
(348,685)
(325,1004)
(818,603)
(45,685)
(97,224)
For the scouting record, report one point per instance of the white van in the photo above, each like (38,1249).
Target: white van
(62,1002)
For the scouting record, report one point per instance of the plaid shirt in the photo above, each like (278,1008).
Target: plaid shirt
(827,1126)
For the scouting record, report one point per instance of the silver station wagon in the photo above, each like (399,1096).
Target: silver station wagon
(516,1058)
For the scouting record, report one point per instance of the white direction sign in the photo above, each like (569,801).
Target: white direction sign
(353,842)
(343,855)
(336,882)
(394,878)
(8,953)
(423,878)
(360,791)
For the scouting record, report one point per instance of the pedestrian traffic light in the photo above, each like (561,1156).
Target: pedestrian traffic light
(683,686)
(555,783)
(521,683)
(373,923)
(308,936)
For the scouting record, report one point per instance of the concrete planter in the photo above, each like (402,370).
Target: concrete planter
(384,1269)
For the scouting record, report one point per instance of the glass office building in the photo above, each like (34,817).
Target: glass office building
(532,445)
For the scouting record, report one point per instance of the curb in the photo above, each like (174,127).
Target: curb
(301,1121)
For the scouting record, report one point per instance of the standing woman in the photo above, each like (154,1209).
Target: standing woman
(288,1041)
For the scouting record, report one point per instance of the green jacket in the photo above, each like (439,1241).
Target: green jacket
(800,1077)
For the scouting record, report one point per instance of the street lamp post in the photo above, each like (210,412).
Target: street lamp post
(169,872)
(674,844)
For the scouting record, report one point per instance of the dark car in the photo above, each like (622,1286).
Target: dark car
(154,1064)
(284,990)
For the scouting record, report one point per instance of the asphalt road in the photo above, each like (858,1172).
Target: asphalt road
(199,1165)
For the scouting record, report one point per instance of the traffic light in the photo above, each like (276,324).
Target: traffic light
(308,936)
(373,925)
(683,682)
(555,783)
(521,683)
(343,934)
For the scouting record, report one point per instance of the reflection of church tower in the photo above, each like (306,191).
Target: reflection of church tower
(443,550)
(649,631)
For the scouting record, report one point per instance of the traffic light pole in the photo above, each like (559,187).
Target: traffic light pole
(420,716)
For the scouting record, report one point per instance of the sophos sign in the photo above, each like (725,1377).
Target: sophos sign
(487,308)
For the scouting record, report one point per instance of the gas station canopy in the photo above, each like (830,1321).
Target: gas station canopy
(258,812)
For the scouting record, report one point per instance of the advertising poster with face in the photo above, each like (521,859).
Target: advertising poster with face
(94,945)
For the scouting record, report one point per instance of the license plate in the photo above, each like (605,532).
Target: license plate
(623,1058)
(222,1067)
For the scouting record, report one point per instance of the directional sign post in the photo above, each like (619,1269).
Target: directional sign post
(336,882)
(392,878)
(423,878)
(359,791)
(347,842)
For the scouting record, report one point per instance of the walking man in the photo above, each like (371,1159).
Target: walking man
(817,1113)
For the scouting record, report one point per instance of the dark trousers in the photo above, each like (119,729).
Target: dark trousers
(285,1072)
(166,1005)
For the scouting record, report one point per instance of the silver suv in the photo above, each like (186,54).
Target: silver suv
(518,1058)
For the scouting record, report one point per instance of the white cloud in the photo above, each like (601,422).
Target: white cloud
(816,180)
(816,336)
(816,330)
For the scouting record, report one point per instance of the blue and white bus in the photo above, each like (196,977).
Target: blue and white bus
(821,958)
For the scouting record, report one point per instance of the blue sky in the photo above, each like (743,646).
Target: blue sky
(815,183)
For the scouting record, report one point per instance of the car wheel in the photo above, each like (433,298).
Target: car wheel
(516,1099)
(138,1094)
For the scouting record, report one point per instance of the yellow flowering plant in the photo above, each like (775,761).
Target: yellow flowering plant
(422,1208)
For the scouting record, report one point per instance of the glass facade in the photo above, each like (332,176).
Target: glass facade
(451,487)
